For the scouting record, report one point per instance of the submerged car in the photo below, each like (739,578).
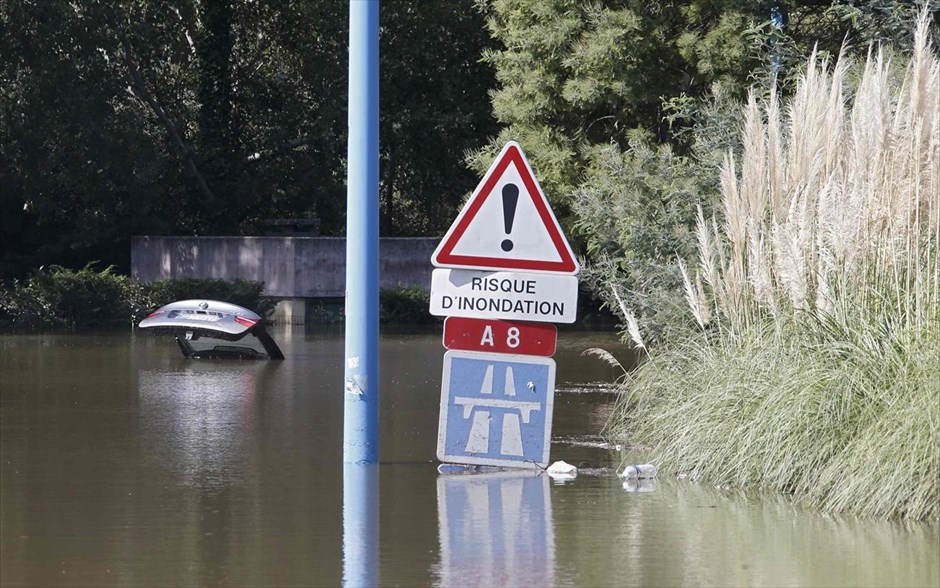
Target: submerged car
(209,329)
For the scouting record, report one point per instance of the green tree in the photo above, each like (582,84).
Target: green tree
(572,74)
(210,117)
(435,106)
(76,167)
(622,107)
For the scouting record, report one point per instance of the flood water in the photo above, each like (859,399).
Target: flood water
(123,464)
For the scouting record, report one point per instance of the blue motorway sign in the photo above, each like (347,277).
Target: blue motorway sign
(496,409)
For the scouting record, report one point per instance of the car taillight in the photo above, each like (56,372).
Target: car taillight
(247,322)
(153,314)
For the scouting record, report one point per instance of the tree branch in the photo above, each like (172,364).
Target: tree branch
(139,90)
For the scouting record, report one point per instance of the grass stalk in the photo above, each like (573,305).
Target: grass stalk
(822,376)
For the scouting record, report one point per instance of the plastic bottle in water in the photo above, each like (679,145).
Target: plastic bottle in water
(639,486)
(639,472)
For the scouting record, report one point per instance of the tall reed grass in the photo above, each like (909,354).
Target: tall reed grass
(817,368)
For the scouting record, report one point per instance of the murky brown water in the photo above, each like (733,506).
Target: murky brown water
(122,464)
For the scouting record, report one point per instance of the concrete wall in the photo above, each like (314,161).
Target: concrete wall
(290,267)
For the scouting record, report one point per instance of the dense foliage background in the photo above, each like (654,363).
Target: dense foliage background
(625,109)
(198,117)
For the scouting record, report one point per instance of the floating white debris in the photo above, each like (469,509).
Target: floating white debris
(640,471)
(561,470)
(457,468)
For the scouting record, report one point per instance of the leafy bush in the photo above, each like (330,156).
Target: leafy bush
(57,297)
(637,211)
(405,306)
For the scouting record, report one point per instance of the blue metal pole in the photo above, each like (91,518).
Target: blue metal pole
(361,390)
(361,416)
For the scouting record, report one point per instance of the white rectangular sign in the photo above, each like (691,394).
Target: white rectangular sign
(547,298)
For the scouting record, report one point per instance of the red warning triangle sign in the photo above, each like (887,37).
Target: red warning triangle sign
(507,224)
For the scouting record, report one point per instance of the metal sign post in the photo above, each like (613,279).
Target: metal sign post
(361,389)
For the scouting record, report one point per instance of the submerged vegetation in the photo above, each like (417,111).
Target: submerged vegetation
(815,369)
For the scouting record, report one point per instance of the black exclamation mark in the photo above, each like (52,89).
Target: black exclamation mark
(510,198)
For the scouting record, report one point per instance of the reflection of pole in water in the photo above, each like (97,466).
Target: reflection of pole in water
(360,524)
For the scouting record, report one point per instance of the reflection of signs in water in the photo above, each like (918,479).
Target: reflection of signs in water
(495,530)
(196,421)
(496,409)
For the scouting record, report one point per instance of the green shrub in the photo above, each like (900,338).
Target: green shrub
(57,297)
(405,306)
(636,209)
